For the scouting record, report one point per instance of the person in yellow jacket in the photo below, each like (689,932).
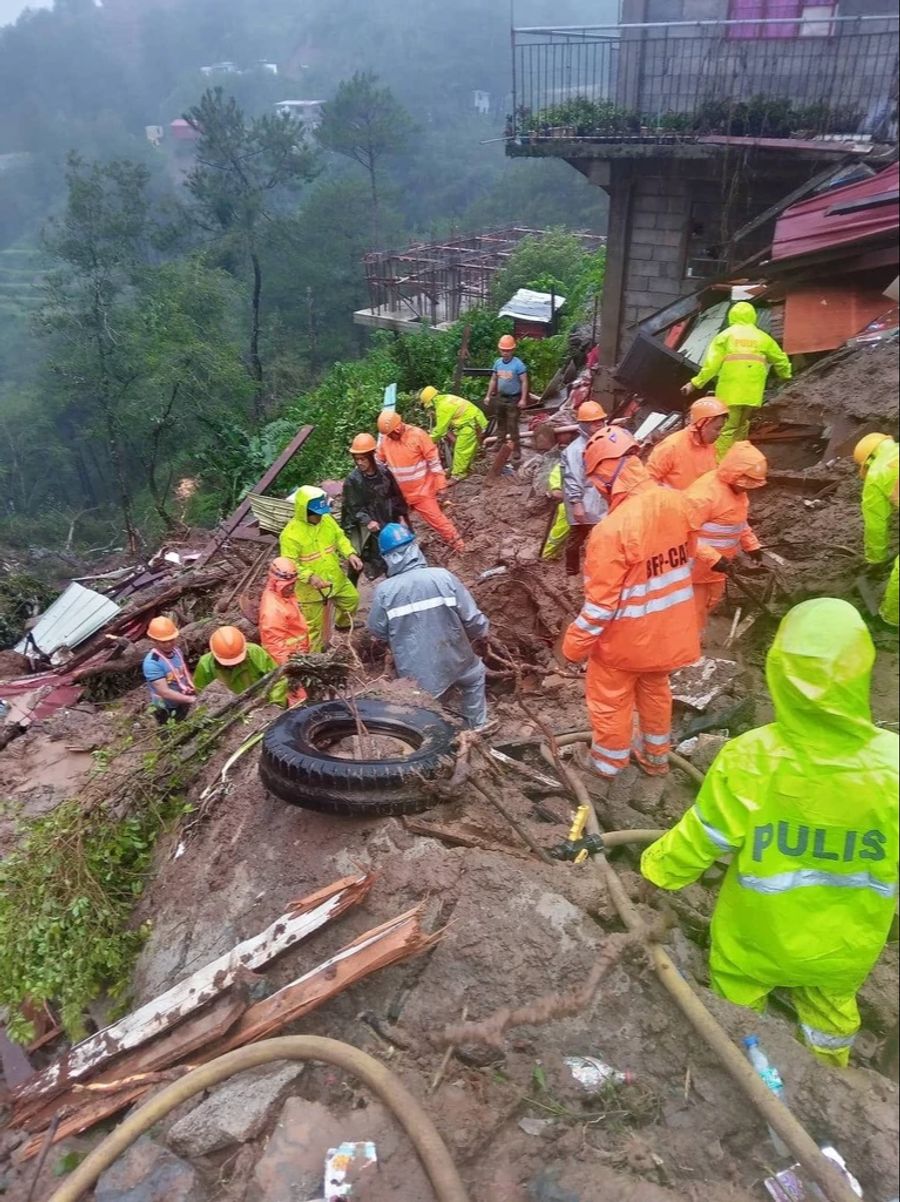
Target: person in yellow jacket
(559,527)
(465,420)
(878,457)
(807,809)
(740,357)
(317,544)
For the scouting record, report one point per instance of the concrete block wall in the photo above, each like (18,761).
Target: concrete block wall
(655,256)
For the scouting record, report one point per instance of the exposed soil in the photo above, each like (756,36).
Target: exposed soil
(516,929)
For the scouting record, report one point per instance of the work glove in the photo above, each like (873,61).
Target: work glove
(756,555)
(722,565)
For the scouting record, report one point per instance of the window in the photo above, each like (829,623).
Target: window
(817,19)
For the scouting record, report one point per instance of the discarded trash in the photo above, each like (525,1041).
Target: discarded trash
(594,1075)
(4,708)
(534,1126)
(344,1166)
(789,1186)
(771,1077)
(491,572)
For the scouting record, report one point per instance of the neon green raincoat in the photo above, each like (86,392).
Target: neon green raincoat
(318,550)
(879,504)
(465,420)
(559,528)
(807,808)
(740,357)
(240,677)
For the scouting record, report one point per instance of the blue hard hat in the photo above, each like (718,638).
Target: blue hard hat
(393,536)
(319,505)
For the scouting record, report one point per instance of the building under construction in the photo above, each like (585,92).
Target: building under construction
(430,285)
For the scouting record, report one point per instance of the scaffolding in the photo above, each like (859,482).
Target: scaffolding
(433,284)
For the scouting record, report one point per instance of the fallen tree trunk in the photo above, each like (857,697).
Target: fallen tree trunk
(163,1012)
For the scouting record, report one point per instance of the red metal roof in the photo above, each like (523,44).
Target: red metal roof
(840,217)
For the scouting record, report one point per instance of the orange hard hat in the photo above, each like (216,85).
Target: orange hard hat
(744,465)
(590,411)
(389,420)
(363,444)
(612,442)
(163,630)
(283,568)
(506,343)
(228,646)
(706,409)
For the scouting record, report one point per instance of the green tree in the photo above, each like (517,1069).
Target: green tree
(365,123)
(242,167)
(555,261)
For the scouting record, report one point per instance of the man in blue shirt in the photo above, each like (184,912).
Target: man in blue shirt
(172,691)
(509,385)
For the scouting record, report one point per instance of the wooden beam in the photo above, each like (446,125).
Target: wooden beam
(163,1012)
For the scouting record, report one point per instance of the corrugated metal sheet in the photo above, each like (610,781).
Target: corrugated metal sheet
(821,317)
(704,331)
(73,617)
(840,217)
(532,306)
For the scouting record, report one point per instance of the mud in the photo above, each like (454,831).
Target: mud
(516,929)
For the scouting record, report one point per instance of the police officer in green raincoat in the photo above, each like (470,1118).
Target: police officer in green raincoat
(807,809)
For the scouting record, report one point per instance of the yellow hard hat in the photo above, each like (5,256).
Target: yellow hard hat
(427,395)
(866,448)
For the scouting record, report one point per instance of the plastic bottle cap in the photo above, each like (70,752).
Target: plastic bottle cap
(751,1041)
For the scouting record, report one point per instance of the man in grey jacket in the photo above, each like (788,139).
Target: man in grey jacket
(430,621)
(584,505)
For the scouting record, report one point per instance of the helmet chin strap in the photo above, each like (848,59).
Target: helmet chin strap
(608,485)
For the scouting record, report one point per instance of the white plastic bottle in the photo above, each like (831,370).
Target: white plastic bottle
(771,1076)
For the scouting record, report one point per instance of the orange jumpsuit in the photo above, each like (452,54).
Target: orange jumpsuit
(681,458)
(638,622)
(719,515)
(416,466)
(282,628)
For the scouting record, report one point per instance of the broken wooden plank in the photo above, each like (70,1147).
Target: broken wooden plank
(387,944)
(163,1012)
(454,837)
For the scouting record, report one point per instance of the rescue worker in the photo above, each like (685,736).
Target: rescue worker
(718,506)
(878,457)
(683,457)
(585,506)
(370,499)
(316,544)
(172,689)
(806,808)
(507,393)
(416,466)
(282,627)
(740,357)
(237,664)
(467,423)
(637,623)
(430,621)
(559,529)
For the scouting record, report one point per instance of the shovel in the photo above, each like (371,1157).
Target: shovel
(328,616)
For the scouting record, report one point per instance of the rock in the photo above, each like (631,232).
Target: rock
(293,1164)
(148,1172)
(552,684)
(235,1113)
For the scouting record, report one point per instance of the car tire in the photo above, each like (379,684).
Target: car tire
(295,768)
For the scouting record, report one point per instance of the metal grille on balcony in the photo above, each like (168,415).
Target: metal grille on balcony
(686,80)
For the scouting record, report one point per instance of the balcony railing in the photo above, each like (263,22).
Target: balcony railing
(686,80)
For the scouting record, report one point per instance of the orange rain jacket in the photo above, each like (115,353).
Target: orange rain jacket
(681,458)
(282,628)
(414,462)
(638,612)
(719,514)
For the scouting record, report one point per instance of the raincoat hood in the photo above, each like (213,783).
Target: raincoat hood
(742,459)
(632,478)
(742,314)
(819,670)
(404,559)
(304,495)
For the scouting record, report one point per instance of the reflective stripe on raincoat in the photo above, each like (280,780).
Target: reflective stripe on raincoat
(453,413)
(414,462)
(316,549)
(719,514)
(879,500)
(740,357)
(638,612)
(681,458)
(807,808)
(428,617)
